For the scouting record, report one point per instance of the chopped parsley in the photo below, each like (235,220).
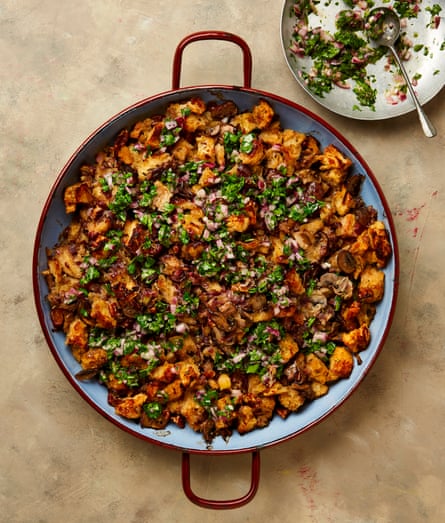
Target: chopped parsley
(153,409)
(121,202)
(231,187)
(90,274)
(247,143)
(231,141)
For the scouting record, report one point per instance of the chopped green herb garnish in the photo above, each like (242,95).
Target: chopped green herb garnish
(152,409)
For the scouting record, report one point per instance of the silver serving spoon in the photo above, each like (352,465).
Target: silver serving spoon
(384,30)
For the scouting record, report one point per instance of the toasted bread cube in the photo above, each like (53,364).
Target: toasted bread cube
(224,382)
(78,193)
(357,339)
(263,114)
(182,150)
(77,335)
(245,121)
(103,312)
(316,369)
(340,364)
(288,348)
(237,223)
(294,282)
(319,389)
(67,262)
(193,412)
(246,419)
(94,359)
(131,407)
(372,285)
(291,399)
(205,148)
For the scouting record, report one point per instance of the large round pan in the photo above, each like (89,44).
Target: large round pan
(54,219)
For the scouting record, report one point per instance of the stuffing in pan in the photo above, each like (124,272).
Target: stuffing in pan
(218,270)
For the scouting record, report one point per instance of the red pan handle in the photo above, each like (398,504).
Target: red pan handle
(221,504)
(212,35)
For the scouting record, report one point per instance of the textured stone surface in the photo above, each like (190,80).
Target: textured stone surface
(66,67)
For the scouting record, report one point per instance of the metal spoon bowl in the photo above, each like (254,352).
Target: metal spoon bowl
(384,29)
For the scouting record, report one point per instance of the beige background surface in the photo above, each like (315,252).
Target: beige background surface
(66,67)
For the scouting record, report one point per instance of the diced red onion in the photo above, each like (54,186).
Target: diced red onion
(181,328)
(320,336)
(170,124)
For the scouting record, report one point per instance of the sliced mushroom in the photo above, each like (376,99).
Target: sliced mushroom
(340,285)
(346,262)
(319,248)
(353,184)
(87,374)
(255,303)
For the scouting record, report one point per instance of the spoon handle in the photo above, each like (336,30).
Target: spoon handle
(427,126)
